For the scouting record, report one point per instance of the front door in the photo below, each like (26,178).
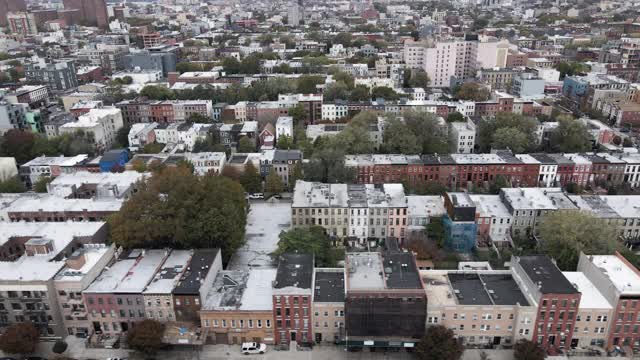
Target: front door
(574,343)
(496,340)
(293,336)
(318,338)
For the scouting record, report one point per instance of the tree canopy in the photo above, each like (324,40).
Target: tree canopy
(245,145)
(472,91)
(527,350)
(250,179)
(417,132)
(439,343)
(25,145)
(273,183)
(12,185)
(178,209)
(41,185)
(507,130)
(419,79)
(570,136)
(563,235)
(312,240)
(19,338)
(146,336)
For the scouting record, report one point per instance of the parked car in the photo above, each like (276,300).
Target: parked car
(253,348)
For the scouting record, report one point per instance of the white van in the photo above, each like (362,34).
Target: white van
(253,348)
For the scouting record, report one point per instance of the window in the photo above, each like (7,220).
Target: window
(259,323)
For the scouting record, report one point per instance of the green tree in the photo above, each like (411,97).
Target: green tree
(510,138)
(344,77)
(18,144)
(360,93)
(231,65)
(178,209)
(273,183)
(307,83)
(296,175)
(399,139)
(19,338)
(564,234)
(285,142)
(210,143)
(139,165)
(498,183)
(472,91)
(488,127)
(146,336)
(152,148)
(355,139)
(41,185)
(431,134)
(122,137)
(157,92)
(435,231)
(570,136)
(439,343)
(250,65)
(571,68)
(527,350)
(250,179)
(455,117)
(245,145)
(297,113)
(343,38)
(312,240)
(419,79)
(336,91)
(384,92)
(12,185)
(198,118)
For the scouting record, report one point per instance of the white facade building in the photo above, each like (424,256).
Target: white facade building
(443,60)
(462,136)
(284,126)
(102,123)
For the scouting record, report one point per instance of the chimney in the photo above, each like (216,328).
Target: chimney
(77,260)
(172,77)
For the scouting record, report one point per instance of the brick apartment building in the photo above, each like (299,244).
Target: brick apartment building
(292,296)
(556,298)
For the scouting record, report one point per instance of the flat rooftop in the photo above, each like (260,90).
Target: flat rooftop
(490,206)
(241,290)
(142,272)
(61,233)
(380,271)
(591,297)
(542,271)
(329,286)
(294,271)
(621,275)
(92,254)
(364,271)
(315,194)
(486,289)
(197,269)
(167,277)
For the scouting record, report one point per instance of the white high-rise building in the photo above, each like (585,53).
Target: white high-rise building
(443,60)
(294,14)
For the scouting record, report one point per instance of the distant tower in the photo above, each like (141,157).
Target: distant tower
(294,13)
